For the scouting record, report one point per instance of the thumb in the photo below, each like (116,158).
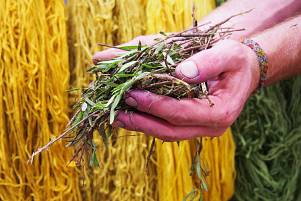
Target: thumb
(200,67)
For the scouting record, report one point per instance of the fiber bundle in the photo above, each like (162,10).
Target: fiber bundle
(122,173)
(33,101)
(34,81)
(172,162)
(268,136)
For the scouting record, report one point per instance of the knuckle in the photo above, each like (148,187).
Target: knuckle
(230,117)
(228,120)
(170,135)
(224,117)
(178,118)
(168,138)
(150,103)
(218,133)
(238,50)
(139,38)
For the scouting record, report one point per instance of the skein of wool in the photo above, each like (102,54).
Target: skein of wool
(268,137)
(173,161)
(173,180)
(33,101)
(122,174)
(33,105)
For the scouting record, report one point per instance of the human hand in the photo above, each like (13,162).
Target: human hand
(232,73)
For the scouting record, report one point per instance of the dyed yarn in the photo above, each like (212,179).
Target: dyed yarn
(33,101)
(131,19)
(35,75)
(268,136)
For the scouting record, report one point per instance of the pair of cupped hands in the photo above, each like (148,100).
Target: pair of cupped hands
(232,74)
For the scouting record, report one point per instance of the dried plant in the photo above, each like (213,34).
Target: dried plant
(140,67)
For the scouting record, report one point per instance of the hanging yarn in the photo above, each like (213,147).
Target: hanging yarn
(33,101)
(268,136)
(174,164)
(174,161)
(89,23)
(128,25)
(33,105)
(122,174)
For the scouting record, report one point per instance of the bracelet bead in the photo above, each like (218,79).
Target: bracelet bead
(261,57)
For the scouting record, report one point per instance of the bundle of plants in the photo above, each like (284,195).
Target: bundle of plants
(147,67)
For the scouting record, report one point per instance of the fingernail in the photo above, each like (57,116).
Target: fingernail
(131,102)
(189,69)
(118,124)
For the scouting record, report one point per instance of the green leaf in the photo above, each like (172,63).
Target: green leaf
(111,84)
(123,75)
(99,106)
(93,160)
(105,66)
(113,61)
(119,91)
(204,185)
(110,101)
(128,53)
(128,48)
(191,195)
(201,195)
(127,65)
(170,60)
(149,66)
(73,89)
(199,173)
(159,48)
(113,107)
(89,101)
(140,76)
(163,33)
(78,118)
(198,167)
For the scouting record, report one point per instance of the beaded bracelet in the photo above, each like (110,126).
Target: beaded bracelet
(261,57)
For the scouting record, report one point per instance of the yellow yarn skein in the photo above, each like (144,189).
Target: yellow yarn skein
(33,104)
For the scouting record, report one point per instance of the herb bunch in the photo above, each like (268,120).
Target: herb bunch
(139,67)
